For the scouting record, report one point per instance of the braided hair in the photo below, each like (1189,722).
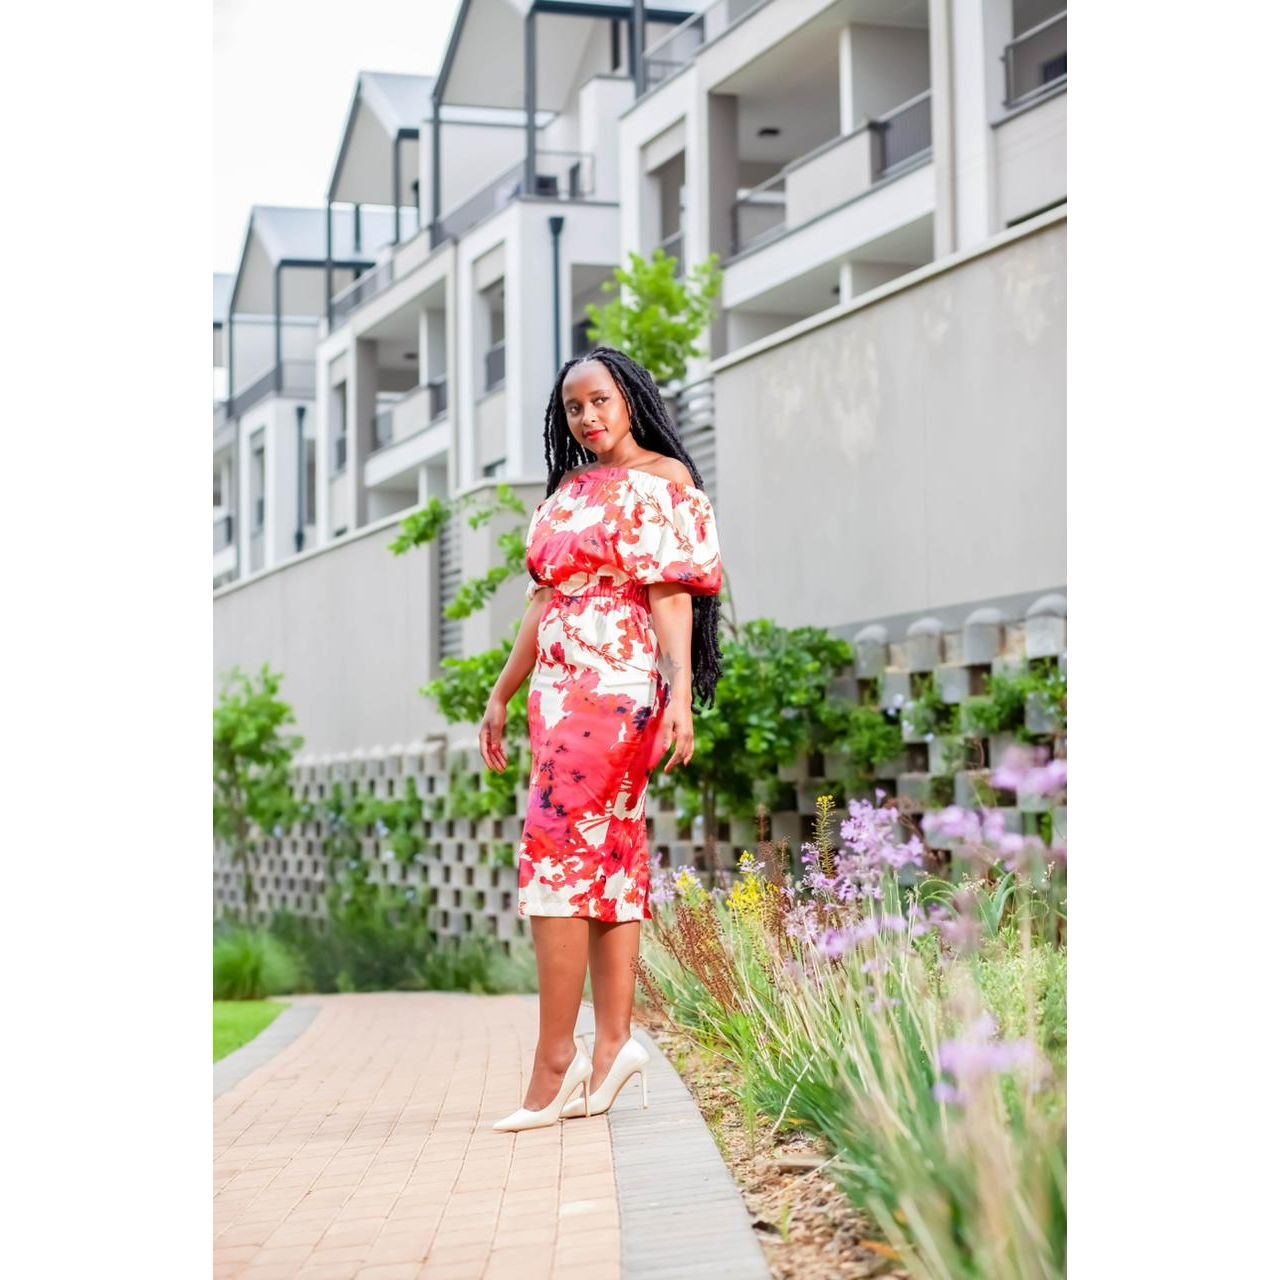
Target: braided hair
(652,426)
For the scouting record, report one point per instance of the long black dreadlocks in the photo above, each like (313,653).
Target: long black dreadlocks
(652,427)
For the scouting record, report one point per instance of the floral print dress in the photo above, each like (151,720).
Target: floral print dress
(596,696)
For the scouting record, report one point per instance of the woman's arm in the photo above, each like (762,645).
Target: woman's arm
(520,661)
(671,607)
(524,652)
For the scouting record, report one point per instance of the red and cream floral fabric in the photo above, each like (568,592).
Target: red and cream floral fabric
(596,695)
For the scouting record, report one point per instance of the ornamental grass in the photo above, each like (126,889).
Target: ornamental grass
(901,994)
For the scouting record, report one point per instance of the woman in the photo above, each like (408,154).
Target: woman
(618,645)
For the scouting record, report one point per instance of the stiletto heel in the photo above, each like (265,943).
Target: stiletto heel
(632,1059)
(578,1076)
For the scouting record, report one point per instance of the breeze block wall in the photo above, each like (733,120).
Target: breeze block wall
(465,871)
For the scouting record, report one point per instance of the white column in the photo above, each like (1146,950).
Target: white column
(324,449)
(942,93)
(244,499)
(848,118)
(424,345)
(362,396)
(979,35)
(846,281)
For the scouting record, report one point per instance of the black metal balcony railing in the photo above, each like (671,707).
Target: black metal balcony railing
(898,137)
(903,134)
(223,531)
(437,397)
(495,366)
(295,379)
(564,175)
(1035,62)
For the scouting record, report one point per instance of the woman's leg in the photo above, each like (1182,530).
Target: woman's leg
(561,947)
(613,988)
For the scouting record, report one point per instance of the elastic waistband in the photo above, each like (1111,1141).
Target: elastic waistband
(627,589)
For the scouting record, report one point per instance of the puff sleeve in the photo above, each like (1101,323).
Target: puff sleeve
(671,536)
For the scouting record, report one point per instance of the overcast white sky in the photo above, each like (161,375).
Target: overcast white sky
(283,75)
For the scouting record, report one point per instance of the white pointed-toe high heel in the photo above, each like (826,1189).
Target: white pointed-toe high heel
(578,1076)
(632,1059)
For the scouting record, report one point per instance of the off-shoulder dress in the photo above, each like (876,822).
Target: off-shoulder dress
(596,695)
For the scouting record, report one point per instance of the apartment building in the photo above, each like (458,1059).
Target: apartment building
(399,342)
(822,150)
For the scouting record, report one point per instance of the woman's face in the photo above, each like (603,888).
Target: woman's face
(595,407)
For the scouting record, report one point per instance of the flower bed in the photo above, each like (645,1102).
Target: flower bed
(903,1000)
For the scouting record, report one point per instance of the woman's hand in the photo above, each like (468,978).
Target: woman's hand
(677,728)
(492,748)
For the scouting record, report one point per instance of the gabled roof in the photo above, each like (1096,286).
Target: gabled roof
(383,105)
(276,233)
(484,61)
(300,233)
(399,101)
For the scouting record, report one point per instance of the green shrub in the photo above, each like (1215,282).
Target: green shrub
(371,949)
(249,964)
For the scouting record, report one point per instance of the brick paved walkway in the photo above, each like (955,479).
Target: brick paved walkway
(363,1150)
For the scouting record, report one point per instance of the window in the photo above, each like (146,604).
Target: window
(258,481)
(217,486)
(338,414)
(309,513)
(495,363)
(498,468)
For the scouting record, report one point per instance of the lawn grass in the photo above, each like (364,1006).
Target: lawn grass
(236,1022)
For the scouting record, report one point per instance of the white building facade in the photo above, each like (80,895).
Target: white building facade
(400,342)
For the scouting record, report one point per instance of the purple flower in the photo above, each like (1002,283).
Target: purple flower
(834,943)
(975,1054)
(1024,769)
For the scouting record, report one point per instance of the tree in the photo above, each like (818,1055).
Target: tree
(657,317)
(251,762)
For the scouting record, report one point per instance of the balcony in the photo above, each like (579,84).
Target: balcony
(294,379)
(562,175)
(1035,62)
(359,291)
(676,50)
(400,417)
(833,173)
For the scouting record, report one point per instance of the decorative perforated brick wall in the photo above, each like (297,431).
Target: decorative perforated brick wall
(464,871)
